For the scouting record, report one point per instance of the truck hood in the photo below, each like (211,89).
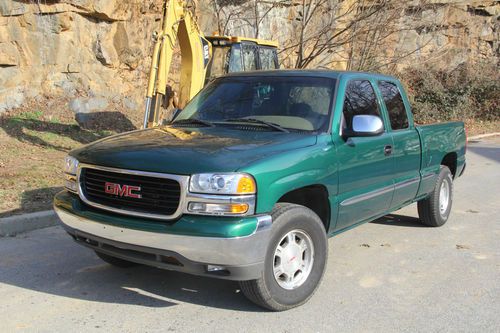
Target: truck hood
(186,151)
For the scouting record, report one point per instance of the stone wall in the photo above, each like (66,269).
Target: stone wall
(75,48)
(97,51)
(457,31)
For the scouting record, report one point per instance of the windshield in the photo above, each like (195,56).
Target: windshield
(296,103)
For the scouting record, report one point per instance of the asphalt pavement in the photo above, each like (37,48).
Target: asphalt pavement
(391,275)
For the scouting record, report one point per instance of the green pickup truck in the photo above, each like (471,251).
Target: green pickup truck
(255,173)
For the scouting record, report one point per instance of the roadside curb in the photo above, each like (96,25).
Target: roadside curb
(14,225)
(482,136)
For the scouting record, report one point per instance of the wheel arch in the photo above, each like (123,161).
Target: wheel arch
(450,161)
(314,197)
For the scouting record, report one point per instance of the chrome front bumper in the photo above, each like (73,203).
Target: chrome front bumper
(240,258)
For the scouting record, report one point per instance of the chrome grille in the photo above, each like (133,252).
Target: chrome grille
(159,196)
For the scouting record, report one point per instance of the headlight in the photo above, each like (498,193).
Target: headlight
(222,183)
(218,208)
(222,194)
(70,170)
(70,165)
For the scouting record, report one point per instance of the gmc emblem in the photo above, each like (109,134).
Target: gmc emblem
(122,190)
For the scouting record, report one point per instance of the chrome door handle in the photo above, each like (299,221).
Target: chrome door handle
(387,150)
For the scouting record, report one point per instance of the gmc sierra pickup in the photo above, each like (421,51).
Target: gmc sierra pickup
(252,177)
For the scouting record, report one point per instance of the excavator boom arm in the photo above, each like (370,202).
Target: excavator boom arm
(179,26)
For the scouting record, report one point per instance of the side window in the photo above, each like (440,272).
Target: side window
(235,64)
(359,99)
(250,57)
(394,105)
(267,58)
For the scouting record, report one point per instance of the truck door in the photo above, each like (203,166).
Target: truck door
(365,163)
(406,150)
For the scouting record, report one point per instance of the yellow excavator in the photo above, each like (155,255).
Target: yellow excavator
(203,59)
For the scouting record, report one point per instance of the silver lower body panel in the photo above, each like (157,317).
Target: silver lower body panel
(241,258)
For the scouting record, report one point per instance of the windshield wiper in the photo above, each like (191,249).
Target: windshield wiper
(258,121)
(194,121)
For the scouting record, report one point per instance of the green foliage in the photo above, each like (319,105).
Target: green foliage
(467,92)
(31,115)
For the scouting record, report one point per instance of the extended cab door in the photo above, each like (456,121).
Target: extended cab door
(406,149)
(365,163)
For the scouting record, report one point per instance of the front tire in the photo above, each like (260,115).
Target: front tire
(295,260)
(435,209)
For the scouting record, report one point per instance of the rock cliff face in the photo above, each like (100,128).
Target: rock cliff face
(74,48)
(85,49)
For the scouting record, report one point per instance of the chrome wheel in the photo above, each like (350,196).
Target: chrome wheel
(293,259)
(444,197)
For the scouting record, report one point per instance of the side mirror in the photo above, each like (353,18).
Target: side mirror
(365,125)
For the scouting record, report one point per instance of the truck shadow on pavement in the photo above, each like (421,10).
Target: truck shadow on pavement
(49,262)
(400,220)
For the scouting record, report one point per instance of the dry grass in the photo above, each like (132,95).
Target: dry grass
(33,142)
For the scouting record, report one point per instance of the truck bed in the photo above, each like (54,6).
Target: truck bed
(440,141)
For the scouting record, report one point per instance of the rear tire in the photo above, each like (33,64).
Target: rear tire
(295,260)
(117,262)
(435,209)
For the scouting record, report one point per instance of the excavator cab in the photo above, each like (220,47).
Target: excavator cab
(202,59)
(238,54)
